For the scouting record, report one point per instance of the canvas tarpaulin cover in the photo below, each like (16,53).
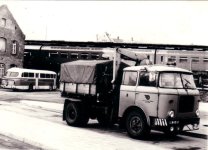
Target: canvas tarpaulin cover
(85,71)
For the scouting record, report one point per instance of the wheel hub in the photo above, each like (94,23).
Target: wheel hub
(72,114)
(136,124)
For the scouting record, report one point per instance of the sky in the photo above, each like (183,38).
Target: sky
(163,22)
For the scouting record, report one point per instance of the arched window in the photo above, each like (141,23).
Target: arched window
(2,44)
(2,70)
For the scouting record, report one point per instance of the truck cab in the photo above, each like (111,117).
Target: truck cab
(158,97)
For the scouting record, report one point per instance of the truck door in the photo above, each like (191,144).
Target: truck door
(147,93)
(127,91)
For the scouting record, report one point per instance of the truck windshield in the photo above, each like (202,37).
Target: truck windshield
(176,80)
(188,81)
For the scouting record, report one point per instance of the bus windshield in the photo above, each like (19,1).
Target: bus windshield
(176,80)
(12,74)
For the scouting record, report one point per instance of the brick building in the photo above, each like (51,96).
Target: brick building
(11,41)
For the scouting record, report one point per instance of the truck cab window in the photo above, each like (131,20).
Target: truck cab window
(170,80)
(130,78)
(147,79)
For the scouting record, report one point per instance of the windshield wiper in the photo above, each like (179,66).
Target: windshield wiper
(187,83)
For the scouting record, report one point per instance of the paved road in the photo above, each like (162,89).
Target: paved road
(11,143)
(39,124)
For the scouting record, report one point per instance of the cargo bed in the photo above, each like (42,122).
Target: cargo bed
(86,77)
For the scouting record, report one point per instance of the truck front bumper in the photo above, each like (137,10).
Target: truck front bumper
(176,123)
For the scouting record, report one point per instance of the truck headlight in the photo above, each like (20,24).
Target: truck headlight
(171,113)
(197,113)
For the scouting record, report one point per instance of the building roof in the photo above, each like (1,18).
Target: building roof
(5,13)
(118,45)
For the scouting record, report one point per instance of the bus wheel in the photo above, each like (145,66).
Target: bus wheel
(136,125)
(51,88)
(30,88)
(75,116)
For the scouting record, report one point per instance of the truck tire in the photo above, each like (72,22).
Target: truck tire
(75,116)
(136,125)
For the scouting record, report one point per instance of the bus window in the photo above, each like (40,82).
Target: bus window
(42,75)
(74,55)
(13,74)
(48,75)
(94,56)
(25,74)
(54,55)
(36,75)
(31,75)
(84,56)
(64,55)
(52,75)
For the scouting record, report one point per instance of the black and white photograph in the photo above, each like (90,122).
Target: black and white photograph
(103,75)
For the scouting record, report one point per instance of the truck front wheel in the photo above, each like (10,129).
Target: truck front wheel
(136,125)
(75,115)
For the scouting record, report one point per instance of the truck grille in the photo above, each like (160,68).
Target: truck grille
(186,104)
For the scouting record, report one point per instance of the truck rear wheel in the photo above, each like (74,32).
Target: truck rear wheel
(136,125)
(75,116)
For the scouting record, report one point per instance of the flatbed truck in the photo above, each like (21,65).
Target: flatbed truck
(138,98)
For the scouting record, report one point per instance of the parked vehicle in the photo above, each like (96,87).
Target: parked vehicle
(29,79)
(139,98)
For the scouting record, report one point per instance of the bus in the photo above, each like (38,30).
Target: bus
(29,79)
